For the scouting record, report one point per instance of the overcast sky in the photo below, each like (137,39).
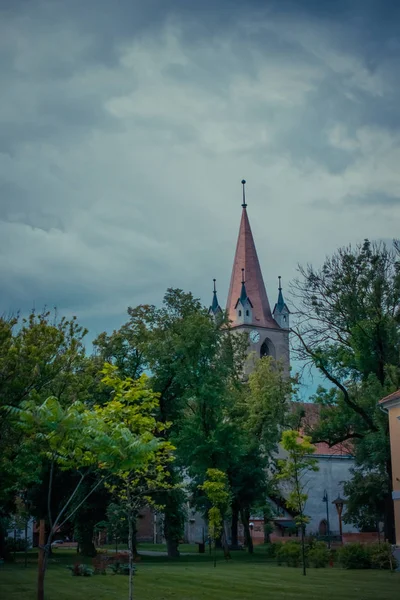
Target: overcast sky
(127,125)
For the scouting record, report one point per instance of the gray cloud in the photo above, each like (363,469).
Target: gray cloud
(126,128)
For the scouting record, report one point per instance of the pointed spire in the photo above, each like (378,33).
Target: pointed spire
(215,307)
(280,305)
(246,258)
(281,312)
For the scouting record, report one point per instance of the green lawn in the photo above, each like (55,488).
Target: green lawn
(195,578)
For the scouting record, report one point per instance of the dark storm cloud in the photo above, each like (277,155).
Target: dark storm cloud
(126,128)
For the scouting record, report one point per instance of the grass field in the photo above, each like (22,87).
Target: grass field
(193,577)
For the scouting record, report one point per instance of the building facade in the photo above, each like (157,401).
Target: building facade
(391,404)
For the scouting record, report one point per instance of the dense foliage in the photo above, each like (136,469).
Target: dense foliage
(348,328)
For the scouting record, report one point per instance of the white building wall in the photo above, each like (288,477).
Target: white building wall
(333,471)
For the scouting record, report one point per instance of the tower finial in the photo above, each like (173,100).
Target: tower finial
(280,283)
(244,193)
(215,289)
(243,281)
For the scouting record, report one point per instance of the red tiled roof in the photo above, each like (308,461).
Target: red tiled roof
(246,258)
(394,396)
(311,418)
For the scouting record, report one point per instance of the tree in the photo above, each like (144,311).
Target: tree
(365,505)
(133,406)
(40,356)
(84,440)
(293,470)
(216,489)
(348,328)
(189,359)
(115,525)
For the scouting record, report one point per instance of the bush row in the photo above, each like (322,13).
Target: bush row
(350,556)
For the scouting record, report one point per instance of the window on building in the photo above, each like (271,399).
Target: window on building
(247,313)
(240,313)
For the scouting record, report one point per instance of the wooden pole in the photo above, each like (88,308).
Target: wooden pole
(42,535)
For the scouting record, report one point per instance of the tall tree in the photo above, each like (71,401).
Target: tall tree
(216,489)
(40,356)
(348,328)
(188,357)
(86,440)
(293,470)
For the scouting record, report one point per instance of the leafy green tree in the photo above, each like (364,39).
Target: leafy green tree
(84,440)
(133,407)
(40,356)
(115,525)
(189,359)
(293,470)
(348,328)
(216,489)
(366,493)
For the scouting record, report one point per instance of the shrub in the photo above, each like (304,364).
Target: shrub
(289,554)
(355,556)
(119,568)
(80,570)
(319,555)
(18,545)
(271,549)
(381,556)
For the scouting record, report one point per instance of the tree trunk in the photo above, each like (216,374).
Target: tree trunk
(26,543)
(245,516)
(41,561)
(303,549)
(130,548)
(225,544)
(172,547)
(84,536)
(173,522)
(234,526)
(4,552)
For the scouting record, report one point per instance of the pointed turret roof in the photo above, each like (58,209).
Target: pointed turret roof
(246,258)
(215,307)
(280,305)
(243,298)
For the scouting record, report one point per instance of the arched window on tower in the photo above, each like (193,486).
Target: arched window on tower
(240,313)
(247,313)
(267,349)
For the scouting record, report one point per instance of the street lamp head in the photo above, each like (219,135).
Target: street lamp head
(325,496)
(339,503)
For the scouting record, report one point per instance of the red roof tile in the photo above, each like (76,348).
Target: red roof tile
(311,418)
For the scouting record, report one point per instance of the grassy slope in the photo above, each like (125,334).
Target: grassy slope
(194,578)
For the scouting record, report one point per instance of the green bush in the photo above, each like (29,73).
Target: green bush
(355,556)
(381,556)
(289,554)
(18,545)
(271,549)
(318,555)
(80,570)
(119,568)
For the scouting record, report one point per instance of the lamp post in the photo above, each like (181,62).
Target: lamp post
(339,503)
(326,500)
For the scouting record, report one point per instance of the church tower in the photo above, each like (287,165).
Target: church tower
(248,307)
